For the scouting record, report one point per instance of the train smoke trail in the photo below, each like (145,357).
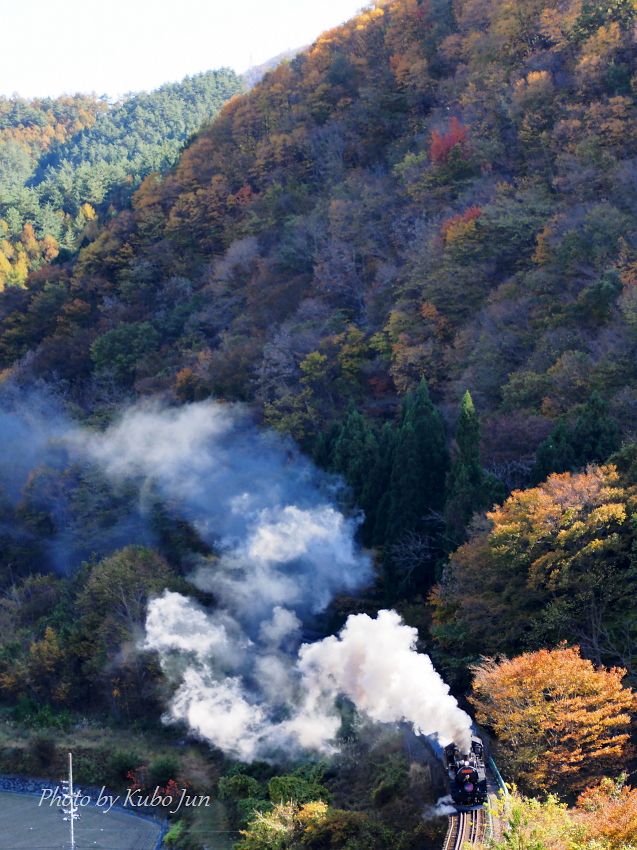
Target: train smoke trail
(267,510)
(375,664)
(284,551)
(243,681)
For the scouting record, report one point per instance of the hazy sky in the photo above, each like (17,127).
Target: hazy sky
(115,46)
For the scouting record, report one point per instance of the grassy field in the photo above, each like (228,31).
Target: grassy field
(26,825)
(93,745)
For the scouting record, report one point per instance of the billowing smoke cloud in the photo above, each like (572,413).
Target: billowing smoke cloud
(291,705)
(375,664)
(284,550)
(243,679)
(264,507)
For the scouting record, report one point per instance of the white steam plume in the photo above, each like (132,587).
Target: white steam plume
(372,662)
(249,493)
(243,682)
(442,809)
(375,664)
(285,551)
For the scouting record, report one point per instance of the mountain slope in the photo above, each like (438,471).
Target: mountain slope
(430,190)
(435,197)
(64,160)
(256,73)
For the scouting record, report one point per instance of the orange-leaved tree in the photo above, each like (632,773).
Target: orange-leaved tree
(608,812)
(554,562)
(560,722)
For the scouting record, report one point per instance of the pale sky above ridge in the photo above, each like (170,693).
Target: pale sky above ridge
(116,46)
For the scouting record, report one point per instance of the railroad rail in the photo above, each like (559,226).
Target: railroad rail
(466,828)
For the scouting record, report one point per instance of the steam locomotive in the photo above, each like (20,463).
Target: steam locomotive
(467,774)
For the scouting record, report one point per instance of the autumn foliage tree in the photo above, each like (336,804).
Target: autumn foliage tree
(456,137)
(604,818)
(560,722)
(608,813)
(532,824)
(554,562)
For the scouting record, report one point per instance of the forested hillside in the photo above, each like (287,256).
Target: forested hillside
(413,248)
(428,191)
(256,73)
(64,161)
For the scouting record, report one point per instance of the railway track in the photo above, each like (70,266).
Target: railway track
(465,828)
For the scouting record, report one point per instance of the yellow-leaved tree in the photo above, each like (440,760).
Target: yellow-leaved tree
(560,722)
(605,818)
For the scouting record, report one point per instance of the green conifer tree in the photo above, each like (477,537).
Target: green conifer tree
(469,488)
(419,468)
(355,454)
(322,447)
(406,503)
(377,496)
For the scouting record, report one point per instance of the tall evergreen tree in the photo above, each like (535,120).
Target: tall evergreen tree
(322,448)
(419,468)
(355,456)
(407,506)
(378,485)
(469,488)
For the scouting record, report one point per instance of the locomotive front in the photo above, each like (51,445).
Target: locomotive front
(467,774)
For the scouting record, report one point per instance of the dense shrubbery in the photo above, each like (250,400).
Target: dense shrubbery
(68,644)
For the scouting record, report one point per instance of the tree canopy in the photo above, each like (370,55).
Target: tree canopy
(561,723)
(64,160)
(555,562)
